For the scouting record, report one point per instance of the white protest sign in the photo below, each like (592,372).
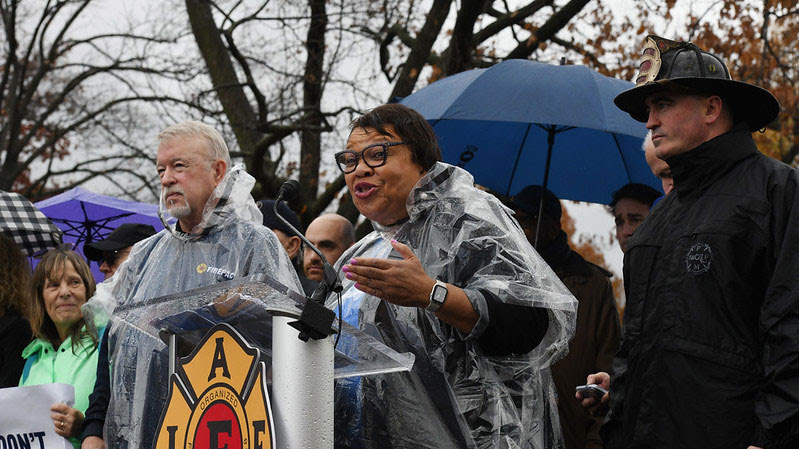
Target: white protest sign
(25,416)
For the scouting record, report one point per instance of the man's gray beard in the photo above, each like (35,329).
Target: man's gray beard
(179,211)
(175,210)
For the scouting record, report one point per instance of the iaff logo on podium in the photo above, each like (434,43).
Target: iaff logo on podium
(217,398)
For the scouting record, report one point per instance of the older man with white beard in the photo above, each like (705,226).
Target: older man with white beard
(218,236)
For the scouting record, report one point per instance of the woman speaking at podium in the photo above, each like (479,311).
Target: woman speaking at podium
(449,276)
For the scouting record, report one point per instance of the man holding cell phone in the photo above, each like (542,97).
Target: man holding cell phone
(710,349)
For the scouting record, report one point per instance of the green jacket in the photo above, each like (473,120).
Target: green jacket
(49,365)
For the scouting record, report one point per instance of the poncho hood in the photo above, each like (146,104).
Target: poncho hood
(230,200)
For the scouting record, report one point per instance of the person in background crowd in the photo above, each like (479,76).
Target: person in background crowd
(710,352)
(291,243)
(658,166)
(15,332)
(115,248)
(110,252)
(332,234)
(65,348)
(449,276)
(630,205)
(218,236)
(596,337)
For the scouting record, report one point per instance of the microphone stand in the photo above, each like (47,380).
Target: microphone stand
(303,370)
(316,319)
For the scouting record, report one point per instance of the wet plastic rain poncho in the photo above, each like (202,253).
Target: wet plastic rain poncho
(455,396)
(229,243)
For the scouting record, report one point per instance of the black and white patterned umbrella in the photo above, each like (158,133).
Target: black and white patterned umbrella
(26,225)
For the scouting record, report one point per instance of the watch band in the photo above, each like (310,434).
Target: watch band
(437,296)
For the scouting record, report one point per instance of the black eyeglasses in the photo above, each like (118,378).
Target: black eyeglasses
(373,156)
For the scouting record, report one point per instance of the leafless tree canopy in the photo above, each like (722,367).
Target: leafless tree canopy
(291,74)
(83,93)
(72,91)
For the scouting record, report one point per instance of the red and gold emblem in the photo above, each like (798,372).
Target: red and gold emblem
(217,398)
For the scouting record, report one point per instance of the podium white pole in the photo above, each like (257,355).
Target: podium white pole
(302,388)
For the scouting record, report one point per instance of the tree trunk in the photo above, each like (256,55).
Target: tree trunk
(555,23)
(311,135)
(230,91)
(462,46)
(421,49)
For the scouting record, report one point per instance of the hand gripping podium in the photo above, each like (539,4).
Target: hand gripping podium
(202,369)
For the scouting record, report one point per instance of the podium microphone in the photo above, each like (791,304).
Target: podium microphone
(330,282)
(288,191)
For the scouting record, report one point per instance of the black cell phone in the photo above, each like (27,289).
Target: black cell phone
(591,391)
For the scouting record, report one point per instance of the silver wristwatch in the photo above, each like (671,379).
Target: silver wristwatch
(437,297)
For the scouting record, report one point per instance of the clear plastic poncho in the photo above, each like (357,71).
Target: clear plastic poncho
(229,243)
(456,397)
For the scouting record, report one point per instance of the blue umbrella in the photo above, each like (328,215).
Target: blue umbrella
(522,122)
(86,217)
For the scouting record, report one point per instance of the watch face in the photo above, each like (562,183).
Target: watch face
(439,293)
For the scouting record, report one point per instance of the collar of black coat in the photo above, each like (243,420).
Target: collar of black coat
(705,163)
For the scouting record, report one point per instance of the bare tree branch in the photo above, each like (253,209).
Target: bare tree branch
(554,24)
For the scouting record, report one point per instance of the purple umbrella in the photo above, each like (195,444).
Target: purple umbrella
(87,217)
